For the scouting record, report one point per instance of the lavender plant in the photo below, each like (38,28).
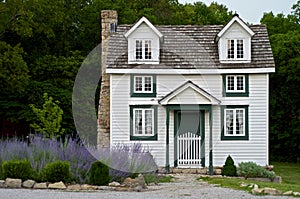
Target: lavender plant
(122,159)
(43,151)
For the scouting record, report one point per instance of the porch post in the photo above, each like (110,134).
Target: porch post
(210,168)
(167,140)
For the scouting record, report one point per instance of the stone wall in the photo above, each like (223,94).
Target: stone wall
(108,17)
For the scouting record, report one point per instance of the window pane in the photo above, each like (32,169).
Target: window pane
(230,49)
(148,83)
(230,83)
(138,84)
(138,49)
(240,83)
(148,49)
(229,122)
(148,121)
(138,122)
(239,122)
(240,49)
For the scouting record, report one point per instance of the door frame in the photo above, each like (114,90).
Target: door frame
(201,129)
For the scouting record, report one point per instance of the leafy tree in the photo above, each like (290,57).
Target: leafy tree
(284,32)
(13,69)
(48,119)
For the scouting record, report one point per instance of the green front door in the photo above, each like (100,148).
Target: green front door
(189,138)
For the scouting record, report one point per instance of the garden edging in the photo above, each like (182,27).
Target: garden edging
(137,184)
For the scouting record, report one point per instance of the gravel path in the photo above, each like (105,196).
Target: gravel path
(183,187)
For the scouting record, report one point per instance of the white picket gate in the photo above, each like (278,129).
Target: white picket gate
(188,150)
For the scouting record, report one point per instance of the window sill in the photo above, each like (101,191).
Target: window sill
(150,138)
(244,137)
(143,95)
(234,61)
(143,62)
(232,94)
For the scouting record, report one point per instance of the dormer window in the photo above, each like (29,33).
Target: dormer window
(235,49)
(143,43)
(234,42)
(143,50)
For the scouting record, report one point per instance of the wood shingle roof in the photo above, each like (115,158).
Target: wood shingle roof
(191,47)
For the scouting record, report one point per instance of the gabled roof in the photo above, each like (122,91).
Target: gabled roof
(235,19)
(190,47)
(137,24)
(204,96)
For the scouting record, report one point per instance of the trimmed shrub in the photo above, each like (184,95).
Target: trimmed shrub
(20,169)
(252,170)
(99,174)
(56,171)
(229,169)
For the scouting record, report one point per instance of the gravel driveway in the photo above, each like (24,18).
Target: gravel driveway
(183,187)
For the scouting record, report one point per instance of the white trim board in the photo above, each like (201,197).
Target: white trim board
(189,71)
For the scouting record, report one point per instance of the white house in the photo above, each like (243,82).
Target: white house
(192,94)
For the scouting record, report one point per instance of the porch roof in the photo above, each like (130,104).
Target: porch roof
(189,93)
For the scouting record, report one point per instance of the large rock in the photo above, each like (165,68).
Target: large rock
(88,187)
(57,185)
(296,194)
(13,183)
(114,184)
(40,185)
(271,191)
(288,193)
(28,184)
(2,183)
(257,191)
(75,187)
(137,184)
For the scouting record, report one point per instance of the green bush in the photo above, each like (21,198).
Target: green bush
(56,171)
(229,169)
(99,174)
(20,169)
(252,170)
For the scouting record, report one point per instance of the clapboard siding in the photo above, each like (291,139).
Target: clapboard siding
(254,149)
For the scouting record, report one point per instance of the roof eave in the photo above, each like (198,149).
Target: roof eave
(136,25)
(229,24)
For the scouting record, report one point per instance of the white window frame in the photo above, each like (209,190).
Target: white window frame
(235,49)
(143,121)
(235,84)
(143,50)
(234,121)
(143,84)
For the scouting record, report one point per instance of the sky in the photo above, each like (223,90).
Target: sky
(252,10)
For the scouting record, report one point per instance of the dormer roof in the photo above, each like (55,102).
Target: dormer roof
(141,21)
(235,19)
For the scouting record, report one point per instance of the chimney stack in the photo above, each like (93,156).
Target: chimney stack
(109,21)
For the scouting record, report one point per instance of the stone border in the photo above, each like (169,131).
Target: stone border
(129,184)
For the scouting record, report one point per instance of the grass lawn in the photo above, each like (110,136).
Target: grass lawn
(289,172)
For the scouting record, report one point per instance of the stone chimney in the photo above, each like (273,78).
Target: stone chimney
(109,20)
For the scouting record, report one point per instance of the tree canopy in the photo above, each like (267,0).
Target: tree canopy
(284,33)
(43,43)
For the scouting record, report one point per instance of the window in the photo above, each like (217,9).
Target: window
(235,49)
(143,86)
(143,124)
(143,50)
(236,85)
(235,123)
